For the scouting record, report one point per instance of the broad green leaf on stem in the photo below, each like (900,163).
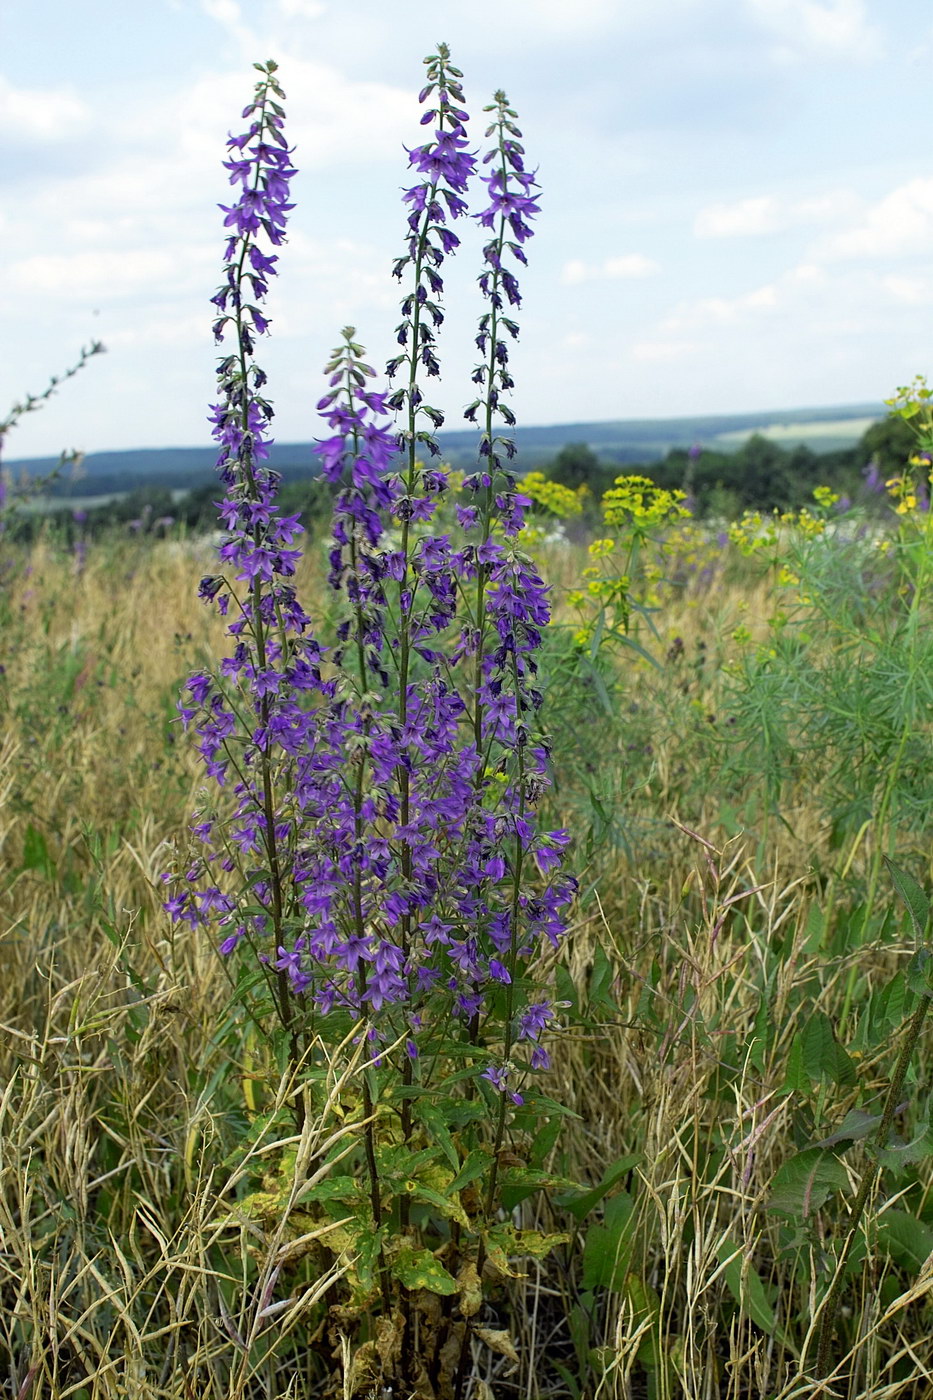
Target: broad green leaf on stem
(897,1155)
(599,992)
(433,1119)
(447,1206)
(580,1203)
(909,1241)
(518,1183)
(418,1268)
(607,1247)
(796,1079)
(474,1165)
(368,1245)
(805,1183)
(334,1188)
(566,987)
(395,1159)
(887,1009)
(918,905)
(854,1127)
(819,1056)
(920,973)
(543,1142)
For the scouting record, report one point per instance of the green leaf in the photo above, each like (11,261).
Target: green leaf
(516,1184)
(432,1118)
(332,1188)
(474,1165)
(796,1080)
(918,906)
(598,992)
(920,973)
(36,852)
(368,1245)
(447,1206)
(887,1010)
(543,1143)
(854,1127)
(607,1247)
(909,1241)
(505,1242)
(805,1182)
(565,986)
(898,1155)
(822,1055)
(418,1268)
(581,1203)
(744,1283)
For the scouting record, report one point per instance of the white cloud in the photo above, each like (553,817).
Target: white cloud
(763,214)
(662,350)
(559,17)
(302,9)
(901,222)
(911,291)
(739,220)
(716,311)
(40,114)
(818,28)
(806,274)
(629,265)
(80,276)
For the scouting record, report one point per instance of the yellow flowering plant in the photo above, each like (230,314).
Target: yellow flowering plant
(635,509)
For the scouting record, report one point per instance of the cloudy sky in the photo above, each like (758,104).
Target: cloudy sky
(737,209)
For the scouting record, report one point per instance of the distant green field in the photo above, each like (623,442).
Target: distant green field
(828,436)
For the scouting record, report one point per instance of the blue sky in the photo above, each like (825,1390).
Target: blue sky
(737,209)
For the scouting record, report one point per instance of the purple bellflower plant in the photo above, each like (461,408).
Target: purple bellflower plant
(379,852)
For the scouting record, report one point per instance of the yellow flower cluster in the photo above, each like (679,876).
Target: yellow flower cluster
(810,526)
(560,500)
(902,490)
(637,502)
(752,534)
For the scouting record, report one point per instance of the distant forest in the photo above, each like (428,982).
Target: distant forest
(157,488)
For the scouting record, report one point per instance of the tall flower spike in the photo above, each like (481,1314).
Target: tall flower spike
(251,718)
(511,607)
(512,203)
(446,167)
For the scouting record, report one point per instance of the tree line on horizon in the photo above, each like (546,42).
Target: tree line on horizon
(760,475)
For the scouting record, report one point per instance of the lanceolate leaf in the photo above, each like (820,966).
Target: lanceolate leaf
(854,1127)
(918,906)
(806,1182)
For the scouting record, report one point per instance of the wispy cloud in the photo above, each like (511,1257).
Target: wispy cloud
(629,265)
(691,316)
(901,222)
(819,29)
(765,214)
(41,114)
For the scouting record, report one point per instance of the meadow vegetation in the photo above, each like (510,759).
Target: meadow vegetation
(735,761)
(668,1135)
